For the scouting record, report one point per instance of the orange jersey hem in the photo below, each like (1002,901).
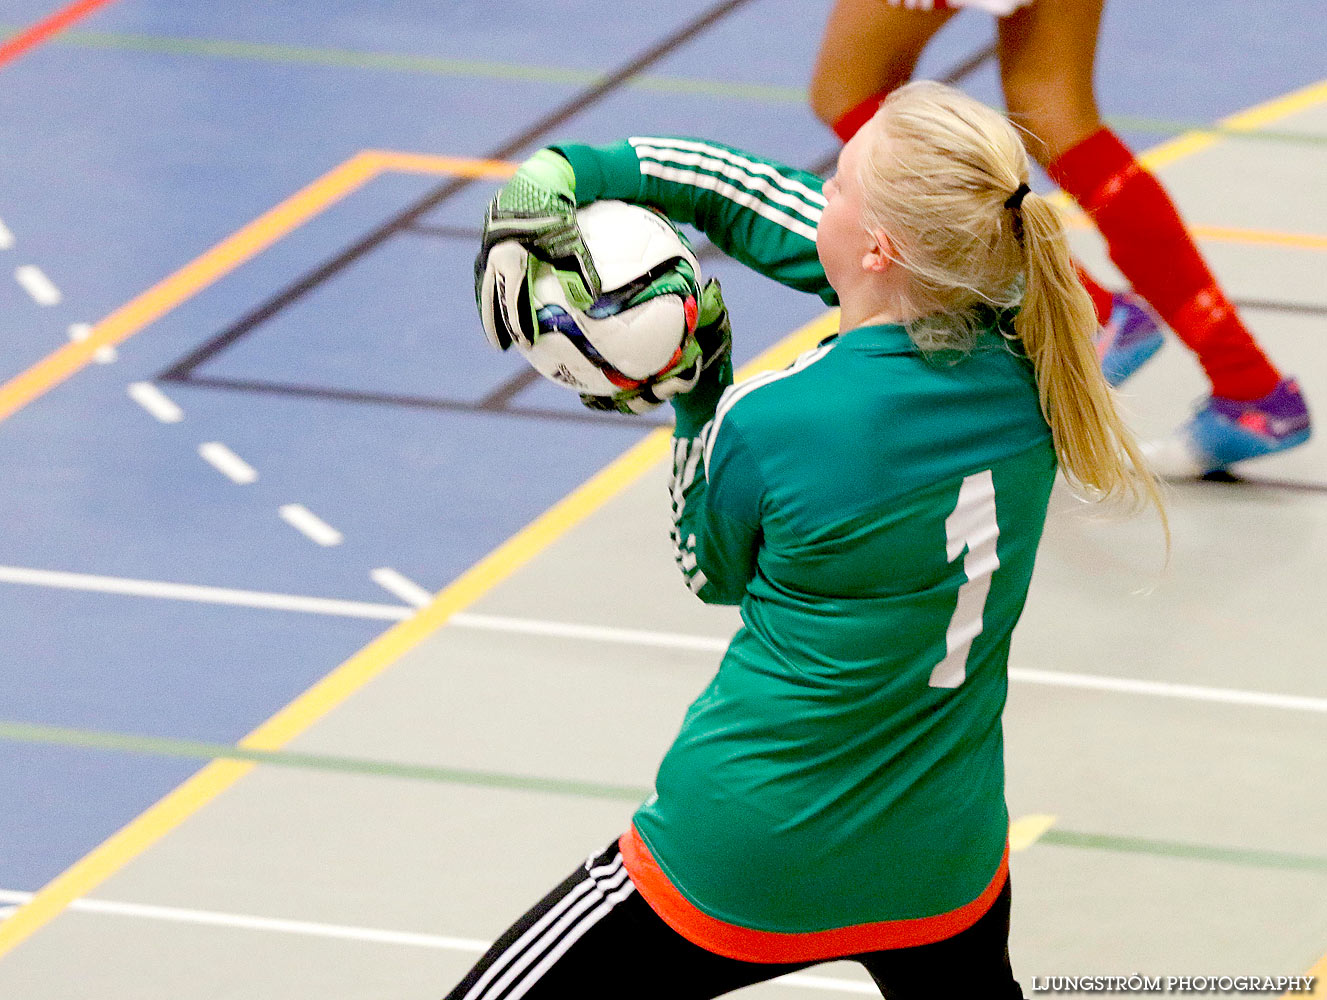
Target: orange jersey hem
(749,945)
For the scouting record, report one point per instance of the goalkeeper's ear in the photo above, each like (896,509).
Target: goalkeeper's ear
(505,309)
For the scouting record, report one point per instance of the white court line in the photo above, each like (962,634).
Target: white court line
(1054,678)
(372,935)
(228,463)
(6,237)
(82,331)
(1164,689)
(599,633)
(205,595)
(156,402)
(310,524)
(35,283)
(210,918)
(592,633)
(401,586)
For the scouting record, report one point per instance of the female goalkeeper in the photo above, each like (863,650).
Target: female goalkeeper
(837,791)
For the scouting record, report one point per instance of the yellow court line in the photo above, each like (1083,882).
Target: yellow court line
(427,163)
(1319,975)
(1248,120)
(1260,237)
(1074,218)
(1027,830)
(297,717)
(223,258)
(1256,117)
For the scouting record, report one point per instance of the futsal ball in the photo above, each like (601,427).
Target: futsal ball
(638,327)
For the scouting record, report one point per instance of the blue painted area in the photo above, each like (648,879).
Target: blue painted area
(173,668)
(119,167)
(112,206)
(1178,60)
(400,320)
(585,34)
(59,804)
(26,326)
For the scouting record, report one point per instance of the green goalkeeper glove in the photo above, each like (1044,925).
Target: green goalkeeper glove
(705,356)
(714,333)
(533,213)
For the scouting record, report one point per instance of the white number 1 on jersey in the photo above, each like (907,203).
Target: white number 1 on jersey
(971,528)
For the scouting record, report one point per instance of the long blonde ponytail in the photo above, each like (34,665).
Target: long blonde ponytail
(938,171)
(1099,454)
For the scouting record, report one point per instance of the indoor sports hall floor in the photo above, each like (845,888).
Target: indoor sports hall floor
(330,640)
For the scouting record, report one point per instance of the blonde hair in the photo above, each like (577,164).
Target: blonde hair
(942,176)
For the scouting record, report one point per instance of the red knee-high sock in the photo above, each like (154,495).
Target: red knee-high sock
(858,115)
(1149,244)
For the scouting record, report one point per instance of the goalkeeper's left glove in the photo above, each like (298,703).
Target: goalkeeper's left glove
(533,213)
(706,356)
(714,334)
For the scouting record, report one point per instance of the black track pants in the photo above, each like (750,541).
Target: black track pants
(594,938)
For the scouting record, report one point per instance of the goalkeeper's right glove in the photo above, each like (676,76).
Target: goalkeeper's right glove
(533,213)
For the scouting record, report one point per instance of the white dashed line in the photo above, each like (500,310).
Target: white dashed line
(401,586)
(6,237)
(152,399)
(36,284)
(82,331)
(227,462)
(304,520)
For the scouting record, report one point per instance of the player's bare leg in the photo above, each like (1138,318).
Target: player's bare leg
(1047,56)
(869,48)
(1054,100)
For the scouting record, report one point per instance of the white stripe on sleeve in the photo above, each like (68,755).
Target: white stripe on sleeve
(733,194)
(751,166)
(749,181)
(736,392)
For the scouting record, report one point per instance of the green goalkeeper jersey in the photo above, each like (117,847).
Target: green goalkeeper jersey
(875,511)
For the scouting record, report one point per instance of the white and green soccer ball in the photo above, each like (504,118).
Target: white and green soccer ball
(635,339)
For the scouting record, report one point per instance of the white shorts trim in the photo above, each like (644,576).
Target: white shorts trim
(997,7)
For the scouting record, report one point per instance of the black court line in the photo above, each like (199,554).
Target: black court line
(500,398)
(1296,308)
(301,287)
(1257,482)
(491,404)
(471,233)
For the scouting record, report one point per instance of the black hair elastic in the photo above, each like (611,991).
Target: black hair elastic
(1016,199)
